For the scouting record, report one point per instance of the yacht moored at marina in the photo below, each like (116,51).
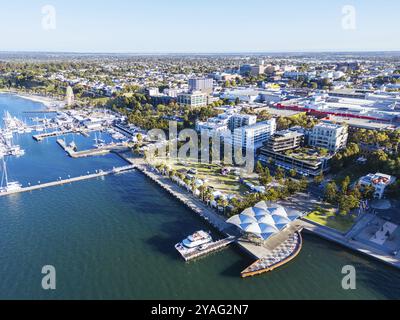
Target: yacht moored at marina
(16,151)
(7,134)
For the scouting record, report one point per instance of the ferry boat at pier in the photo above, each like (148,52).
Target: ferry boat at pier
(196,241)
(200,244)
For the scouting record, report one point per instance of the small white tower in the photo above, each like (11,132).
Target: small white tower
(69,96)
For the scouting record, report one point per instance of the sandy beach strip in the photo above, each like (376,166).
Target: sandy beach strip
(47,101)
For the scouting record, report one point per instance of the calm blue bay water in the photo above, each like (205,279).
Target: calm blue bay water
(113,238)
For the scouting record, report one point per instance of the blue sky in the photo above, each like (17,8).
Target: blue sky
(199,26)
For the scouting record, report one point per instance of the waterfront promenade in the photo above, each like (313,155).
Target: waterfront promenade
(308,202)
(260,252)
(348,242)
(207,213)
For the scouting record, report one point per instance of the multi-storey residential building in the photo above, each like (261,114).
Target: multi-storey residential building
(378,181)
(303,166)
(241,120)
(252,70)
(281,149)
(195,99)
(214,126)
(204,85)
(329,136)
(253,136)
(285,140)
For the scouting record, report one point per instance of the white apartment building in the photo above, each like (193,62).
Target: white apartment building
(329,136)
(241,120)
(379,181)
(253,136)
(224,123)
(214,126)
(195,99)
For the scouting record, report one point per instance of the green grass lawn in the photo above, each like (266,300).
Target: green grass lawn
(329,219)
(228,184)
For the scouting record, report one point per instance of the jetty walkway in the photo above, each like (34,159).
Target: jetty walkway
(69,180)
(42,136)
(92,152)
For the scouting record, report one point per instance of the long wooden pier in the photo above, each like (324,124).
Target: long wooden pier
(41,111)
(91,152)
(40,137)
(100,173)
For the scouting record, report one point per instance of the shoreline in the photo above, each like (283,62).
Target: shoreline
(46,101)
(351,245)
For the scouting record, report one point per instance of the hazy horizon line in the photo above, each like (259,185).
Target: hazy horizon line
(198,53)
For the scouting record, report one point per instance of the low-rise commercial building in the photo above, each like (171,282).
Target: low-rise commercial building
(378,181)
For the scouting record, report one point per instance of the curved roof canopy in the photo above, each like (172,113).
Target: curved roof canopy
(263,220)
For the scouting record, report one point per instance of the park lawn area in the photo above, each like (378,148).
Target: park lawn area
(99,100)
(329,219)
(228,184)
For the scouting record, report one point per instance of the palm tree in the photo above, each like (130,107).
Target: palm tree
(172,174)
(202,190)
(223,203)
(193,186)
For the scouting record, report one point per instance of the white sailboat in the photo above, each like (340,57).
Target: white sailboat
(8,186)
(98,142)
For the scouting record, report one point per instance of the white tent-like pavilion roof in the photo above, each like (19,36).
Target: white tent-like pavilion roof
(264,220)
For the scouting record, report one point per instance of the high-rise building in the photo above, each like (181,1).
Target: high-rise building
(253,136)
(329,136)
(204,85)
